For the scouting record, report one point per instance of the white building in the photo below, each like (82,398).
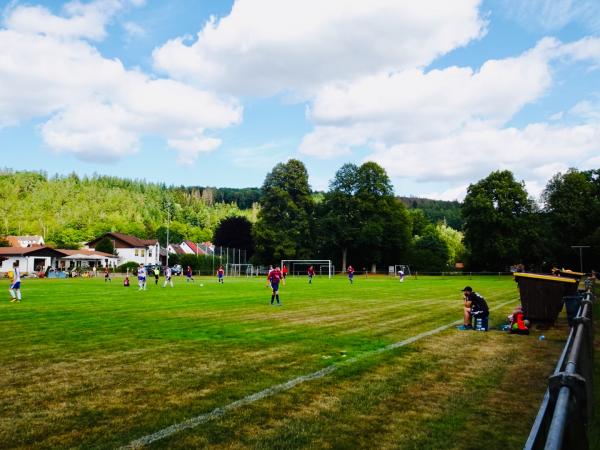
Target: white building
(39,258)
(31,259)
(25,241)
(192,248)
(131,248)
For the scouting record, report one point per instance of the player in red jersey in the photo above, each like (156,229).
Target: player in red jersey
(350,274)
(221,274)
(273,278)
(311,274)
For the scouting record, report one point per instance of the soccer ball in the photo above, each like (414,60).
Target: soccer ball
(201,284)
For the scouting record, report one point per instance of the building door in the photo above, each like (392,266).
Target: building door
(39,264)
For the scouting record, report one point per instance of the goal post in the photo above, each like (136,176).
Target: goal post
(238,270)
(295,265)
(400,267)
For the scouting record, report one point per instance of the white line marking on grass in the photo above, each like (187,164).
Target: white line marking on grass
(218,412)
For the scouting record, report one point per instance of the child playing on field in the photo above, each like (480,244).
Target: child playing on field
(126,281)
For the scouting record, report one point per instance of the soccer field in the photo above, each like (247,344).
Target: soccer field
(88,364)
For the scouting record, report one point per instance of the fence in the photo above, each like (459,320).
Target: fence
(563,418)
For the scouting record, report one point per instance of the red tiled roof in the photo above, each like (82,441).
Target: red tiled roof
(193,246)
(22,251)
(178,249)
(127,239)
(15,241)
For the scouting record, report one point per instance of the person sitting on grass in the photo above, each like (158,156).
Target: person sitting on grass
(474,306)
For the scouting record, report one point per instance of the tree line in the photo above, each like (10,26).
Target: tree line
(358,220)
(69,210)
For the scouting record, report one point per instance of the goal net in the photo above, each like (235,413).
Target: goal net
(300,266)
(239,270)
(395,270)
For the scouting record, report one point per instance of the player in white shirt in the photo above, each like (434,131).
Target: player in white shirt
(15,285)
(168,275)
(142,277)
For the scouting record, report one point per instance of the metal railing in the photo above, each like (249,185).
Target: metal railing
(565,414)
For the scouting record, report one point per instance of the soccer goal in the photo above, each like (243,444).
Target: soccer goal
(401,267)
(239,270)
(300,266)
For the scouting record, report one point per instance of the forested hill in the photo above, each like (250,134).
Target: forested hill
(67,210)
(437,210)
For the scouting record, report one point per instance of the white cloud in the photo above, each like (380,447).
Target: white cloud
(79,20)
(134,30)
(414,105)
(95,108)
(264,47)
(534,153)
(449,124)
(587,110)
(262,156)
(552,15)
(454,193)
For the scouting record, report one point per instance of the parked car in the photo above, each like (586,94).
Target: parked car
(177,269)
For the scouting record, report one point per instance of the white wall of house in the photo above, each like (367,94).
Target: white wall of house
(144,255)
(186,248)
(26,263)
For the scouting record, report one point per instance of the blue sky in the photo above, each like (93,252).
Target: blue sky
(217,92)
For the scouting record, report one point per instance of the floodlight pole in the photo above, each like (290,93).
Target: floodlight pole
(580,247)
(168,223)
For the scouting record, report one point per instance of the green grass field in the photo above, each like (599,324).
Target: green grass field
(84,364)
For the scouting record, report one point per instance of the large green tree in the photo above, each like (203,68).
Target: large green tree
(363,222)
(284,226)
(385,229)
(499,222)
(429,252)
(235,232)
(572,205)
(339,222)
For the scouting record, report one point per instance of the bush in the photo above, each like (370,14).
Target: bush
(201,263)
(131,265)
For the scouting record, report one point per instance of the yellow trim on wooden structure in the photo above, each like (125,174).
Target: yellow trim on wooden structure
(545,277)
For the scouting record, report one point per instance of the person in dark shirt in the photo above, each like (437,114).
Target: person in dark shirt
(474,306)
(273,278)
(311,274)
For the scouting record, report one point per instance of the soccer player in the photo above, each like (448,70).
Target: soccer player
(188,274)
(311,274)
(156,275)
(350,271)
(274,277)
(141,277)
(284,272)
(15,285)
(168,275)
(221,274)
(107,274)
(401,275)
(126,281)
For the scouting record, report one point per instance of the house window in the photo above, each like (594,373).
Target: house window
(149,253)
(136,252)
(143,252)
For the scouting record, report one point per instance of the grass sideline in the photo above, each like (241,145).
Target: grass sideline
(87,364)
